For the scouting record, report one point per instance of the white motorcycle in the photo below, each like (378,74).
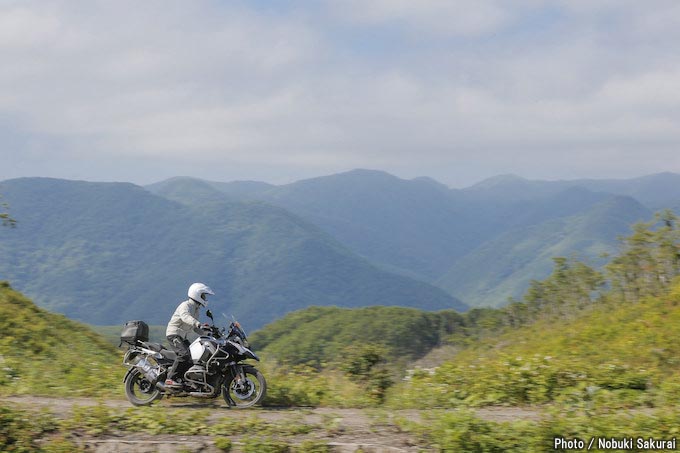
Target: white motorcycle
(217,367)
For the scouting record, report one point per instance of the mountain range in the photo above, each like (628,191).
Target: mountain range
(108,252)
(483,244)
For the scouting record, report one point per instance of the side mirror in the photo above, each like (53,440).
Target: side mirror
(209,315)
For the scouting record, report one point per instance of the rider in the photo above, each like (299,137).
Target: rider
(184,320)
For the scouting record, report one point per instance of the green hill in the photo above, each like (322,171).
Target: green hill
(319,335)
(615,353)
(105,253)
(42,353)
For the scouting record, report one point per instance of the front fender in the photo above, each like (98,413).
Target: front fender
(129,371)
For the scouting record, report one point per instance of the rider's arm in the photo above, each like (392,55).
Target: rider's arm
(187,317)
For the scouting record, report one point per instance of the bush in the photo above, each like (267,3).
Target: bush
(21,431)
(312,446)
(265,445)
(223,443)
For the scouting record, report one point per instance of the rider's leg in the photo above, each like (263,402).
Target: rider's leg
(181,348)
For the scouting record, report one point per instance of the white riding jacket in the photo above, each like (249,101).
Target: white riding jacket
(184,319)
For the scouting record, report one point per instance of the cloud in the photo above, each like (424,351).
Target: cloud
(437,17)
(456,90)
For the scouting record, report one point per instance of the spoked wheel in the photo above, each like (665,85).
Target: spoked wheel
(140,391)
(242,393)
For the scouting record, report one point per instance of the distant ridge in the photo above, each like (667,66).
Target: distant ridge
(495,181)
(504,266)
(656,190)
(423,229)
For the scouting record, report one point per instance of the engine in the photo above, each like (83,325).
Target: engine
(202,381)
(197,374)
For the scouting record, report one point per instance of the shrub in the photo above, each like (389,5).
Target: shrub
(223,443)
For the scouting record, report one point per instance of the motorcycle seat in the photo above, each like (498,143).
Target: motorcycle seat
(167,353)
(153,346)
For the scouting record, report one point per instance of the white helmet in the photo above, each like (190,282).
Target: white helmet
(198,293)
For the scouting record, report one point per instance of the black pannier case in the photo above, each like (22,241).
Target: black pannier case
(134,331)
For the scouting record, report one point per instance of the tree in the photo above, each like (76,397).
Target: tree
(367,364)
(569,288)
(5,219)
(650,258)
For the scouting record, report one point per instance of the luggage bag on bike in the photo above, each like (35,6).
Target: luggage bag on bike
(134,331)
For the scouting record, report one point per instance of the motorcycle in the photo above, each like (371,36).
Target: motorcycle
(216,369)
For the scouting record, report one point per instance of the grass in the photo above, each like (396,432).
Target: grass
(461,430)
(42,353)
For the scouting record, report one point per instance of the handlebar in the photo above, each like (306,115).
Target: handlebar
(234,329)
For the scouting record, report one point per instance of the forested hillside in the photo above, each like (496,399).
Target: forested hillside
(321,335)
(504,267)
(108,252)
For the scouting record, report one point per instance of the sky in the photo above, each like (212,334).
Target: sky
(458,90)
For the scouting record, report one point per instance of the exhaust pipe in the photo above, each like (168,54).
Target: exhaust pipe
(201,395)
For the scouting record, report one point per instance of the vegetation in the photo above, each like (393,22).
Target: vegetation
(47,354)
(29,430)
(5,219)
(651,259)
(462,430)
(22,431)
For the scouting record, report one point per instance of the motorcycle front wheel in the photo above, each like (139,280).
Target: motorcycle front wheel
(245,393)
(139,390)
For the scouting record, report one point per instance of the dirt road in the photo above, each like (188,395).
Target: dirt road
(346,430)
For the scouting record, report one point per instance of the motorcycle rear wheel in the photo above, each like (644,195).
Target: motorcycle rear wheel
(140,391)
(246,394)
